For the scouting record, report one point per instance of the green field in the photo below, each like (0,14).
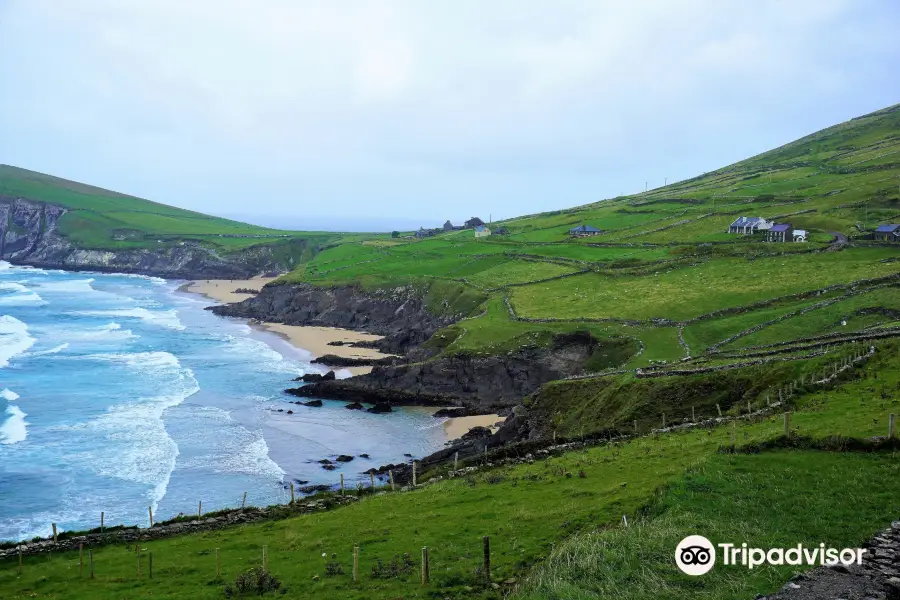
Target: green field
(663,274)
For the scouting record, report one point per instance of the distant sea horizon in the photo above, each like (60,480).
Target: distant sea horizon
(118,393)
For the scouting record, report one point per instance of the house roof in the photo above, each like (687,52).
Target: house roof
(887,228)
(781,227)
(481,228)
(745,221)
(584,229)
(799,232)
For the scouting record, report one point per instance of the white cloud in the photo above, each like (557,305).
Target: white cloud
(459,103)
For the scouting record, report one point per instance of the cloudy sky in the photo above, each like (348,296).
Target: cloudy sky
(318,111)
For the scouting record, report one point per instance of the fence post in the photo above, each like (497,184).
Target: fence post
(372,479)
(664,420)
(486,541)
(635,426)
(20,560)
(80,559)
(391,476)
(218,565)
(456,456)
(355,563)
(787,424)
(91,561)
(150,566)
(139,562)
(625,521)
(749,410)
(693,415)
(244,501)
(342,484)
(150,511)
(425,567)
(101,521)
(892,422)
(719,409)
(199,509)
(54,532)
(414,474)
(265,558)
(292,492)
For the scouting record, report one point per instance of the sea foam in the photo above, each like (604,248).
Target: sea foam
(13,293)
(8,395)
(14,429)
(14,339)
(165,318)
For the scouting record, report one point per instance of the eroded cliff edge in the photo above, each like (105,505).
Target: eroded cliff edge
(29,235)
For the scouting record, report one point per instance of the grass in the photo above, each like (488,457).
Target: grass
(527,509)
(708,287)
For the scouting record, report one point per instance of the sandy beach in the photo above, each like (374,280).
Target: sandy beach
(222,290)
(456,427)
(312,339)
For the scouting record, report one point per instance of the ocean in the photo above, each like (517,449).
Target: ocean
(119,392)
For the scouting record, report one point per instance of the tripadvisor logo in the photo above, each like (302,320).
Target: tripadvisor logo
(696,555)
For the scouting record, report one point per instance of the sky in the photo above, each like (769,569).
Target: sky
(293,112)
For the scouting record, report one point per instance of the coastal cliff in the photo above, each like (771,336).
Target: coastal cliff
(29,235)
(400,314)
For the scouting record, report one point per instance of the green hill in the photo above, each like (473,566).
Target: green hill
(726,327)
(102,219)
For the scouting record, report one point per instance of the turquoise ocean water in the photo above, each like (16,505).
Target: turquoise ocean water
(119,393)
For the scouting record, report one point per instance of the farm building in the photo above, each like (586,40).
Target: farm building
(482,231)
(780,232)
(748,225)
(888,233)
(424,233)
(800,235)
(584,231)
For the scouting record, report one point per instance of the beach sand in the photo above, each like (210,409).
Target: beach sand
(456,427)
(312,339)
(222,290)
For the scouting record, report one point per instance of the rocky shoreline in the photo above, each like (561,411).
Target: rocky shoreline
(29,235)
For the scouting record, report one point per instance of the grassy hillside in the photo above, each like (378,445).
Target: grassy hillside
(555,524)
(102,219)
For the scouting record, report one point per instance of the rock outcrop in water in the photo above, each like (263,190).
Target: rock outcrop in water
(29,235)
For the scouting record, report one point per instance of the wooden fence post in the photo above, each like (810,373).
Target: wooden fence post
(342,484)
(456,456)
(635,426)
(355,563)
(91,561)
(719,409)
(664,420)
(787,424)
(486,565)
(425,566)
(150,565)
(414,474)
(80,559)
(892,423)
(199,509)
(218,565)
(372,479)
(625,521)
(101,521)
(292,492)
(54,532)
(150,511)
(244,501)
(693,415)
(20,560)
(749,410)
(391,477)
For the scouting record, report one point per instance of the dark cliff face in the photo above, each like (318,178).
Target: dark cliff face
(399,313)
(482,384)
(29,235)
